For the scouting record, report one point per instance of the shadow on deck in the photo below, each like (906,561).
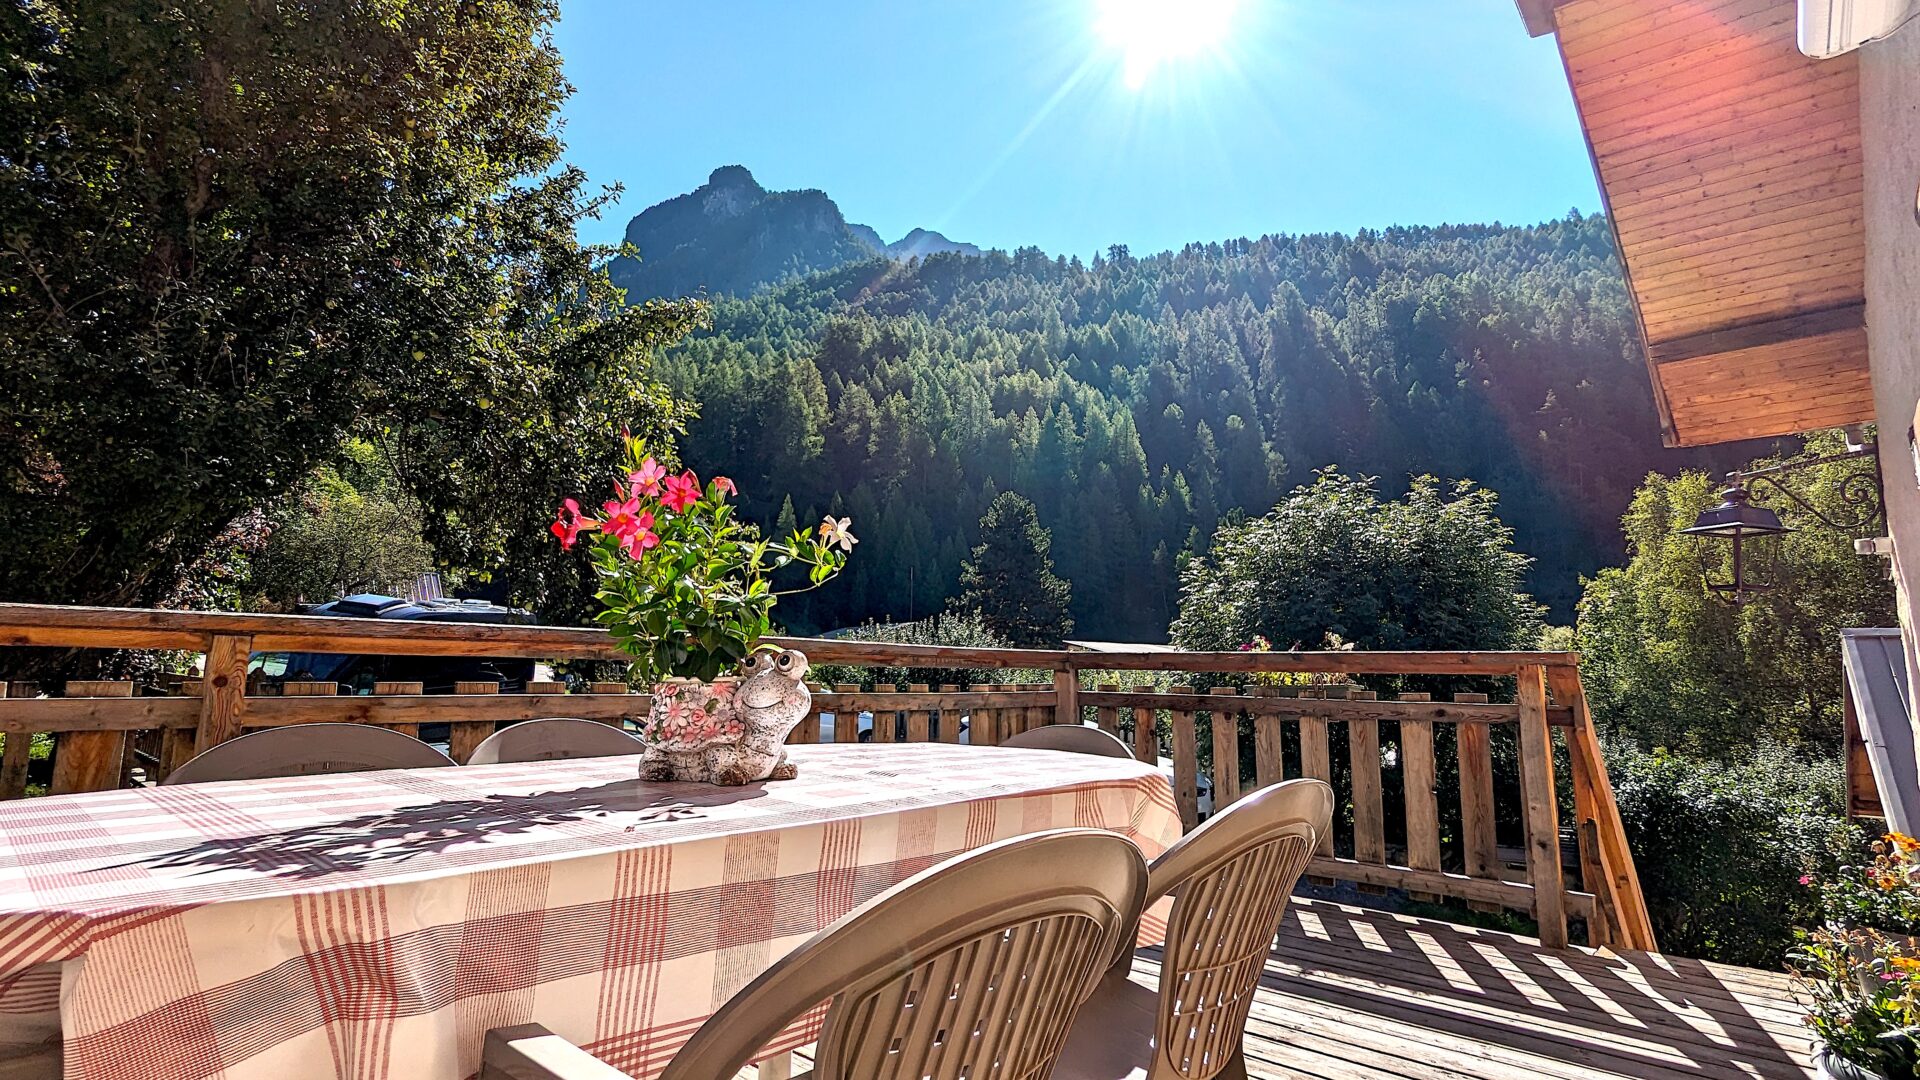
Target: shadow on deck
(1353,994)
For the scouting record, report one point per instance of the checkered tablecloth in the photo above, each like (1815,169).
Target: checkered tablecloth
(374,926)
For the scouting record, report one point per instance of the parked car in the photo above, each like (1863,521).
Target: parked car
(357,673)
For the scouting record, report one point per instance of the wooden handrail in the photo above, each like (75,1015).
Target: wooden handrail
(140,628)
(97,725)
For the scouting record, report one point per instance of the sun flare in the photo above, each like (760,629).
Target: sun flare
(1152,33)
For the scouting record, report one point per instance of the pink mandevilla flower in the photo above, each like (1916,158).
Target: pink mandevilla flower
(623,518)
(641,542)
(568,524)
(682,491)
(721,483)
(646,479)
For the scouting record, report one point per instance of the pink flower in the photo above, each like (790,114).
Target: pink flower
(623,518)
(568,524)
(721,483)
(641,542)
(1806,879)
(646,479)
(682,491)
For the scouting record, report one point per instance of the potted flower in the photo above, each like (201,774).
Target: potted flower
(686,589)
(1861,967)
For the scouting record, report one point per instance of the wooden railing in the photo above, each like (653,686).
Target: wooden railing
(1236,738)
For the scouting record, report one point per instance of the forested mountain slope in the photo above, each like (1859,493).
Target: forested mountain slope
(1137,401)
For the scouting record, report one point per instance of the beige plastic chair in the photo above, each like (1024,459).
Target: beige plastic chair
(1230,880)
(552,740)
(307,750)
(1073,738)
(971,969)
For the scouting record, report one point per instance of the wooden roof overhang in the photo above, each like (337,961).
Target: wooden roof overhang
(1730,167)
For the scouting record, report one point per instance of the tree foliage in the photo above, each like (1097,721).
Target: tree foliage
(1009,580)
(346,530)
(1430,570)
(230,234)
(1138,401)
(1669,664)
(1720,846)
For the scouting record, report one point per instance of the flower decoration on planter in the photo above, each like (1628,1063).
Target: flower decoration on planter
(686,589)
(1861,967)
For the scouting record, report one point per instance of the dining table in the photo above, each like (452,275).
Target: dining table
(376,925)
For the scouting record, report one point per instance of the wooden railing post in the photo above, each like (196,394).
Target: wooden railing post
(402,688)
(1418,783)
(1186,765)
(1369,805)
(1622,893)
(1267,765)
(846,722)
(919,721)
(1146,734)
(1224,726)
(1542,809)
(90,760)
(464,738)
(14,760)
(223,691)
(1066,694)
(1316,760)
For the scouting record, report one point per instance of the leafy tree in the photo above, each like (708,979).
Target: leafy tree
(1669,664)
(347,530)
(233,233)
(1009,578)
(1427,571)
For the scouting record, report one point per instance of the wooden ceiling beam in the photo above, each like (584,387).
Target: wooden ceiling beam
(1805,324)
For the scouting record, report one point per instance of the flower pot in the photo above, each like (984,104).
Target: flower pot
(731,731)
(1831,1066)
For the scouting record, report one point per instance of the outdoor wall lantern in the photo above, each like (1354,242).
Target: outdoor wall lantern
(1738,519)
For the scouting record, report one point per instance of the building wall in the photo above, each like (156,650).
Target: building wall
(1890,129)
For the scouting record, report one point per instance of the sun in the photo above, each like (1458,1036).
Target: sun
(1151,33)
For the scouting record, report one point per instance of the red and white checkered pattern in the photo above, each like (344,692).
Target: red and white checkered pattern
(374,926)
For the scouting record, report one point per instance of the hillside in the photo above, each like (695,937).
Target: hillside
(732,236)
(1138,401)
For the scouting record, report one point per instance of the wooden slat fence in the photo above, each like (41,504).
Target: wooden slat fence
(1388,759)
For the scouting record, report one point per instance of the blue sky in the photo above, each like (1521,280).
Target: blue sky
(1061,123)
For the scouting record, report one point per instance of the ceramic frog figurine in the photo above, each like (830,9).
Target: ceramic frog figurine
(730,733)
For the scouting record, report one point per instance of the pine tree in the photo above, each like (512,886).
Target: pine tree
(1009,578)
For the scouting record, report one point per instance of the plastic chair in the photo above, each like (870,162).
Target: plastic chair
(1230,879)
(552,740)
(972,968)
(1073,738)
(307,750)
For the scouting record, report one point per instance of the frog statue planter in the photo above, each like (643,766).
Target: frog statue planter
(729,732)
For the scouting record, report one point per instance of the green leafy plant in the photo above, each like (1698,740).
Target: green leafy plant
(685,586)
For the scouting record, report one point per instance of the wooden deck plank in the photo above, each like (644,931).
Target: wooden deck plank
(1350,994)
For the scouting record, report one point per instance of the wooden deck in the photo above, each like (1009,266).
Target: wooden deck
(1353,994)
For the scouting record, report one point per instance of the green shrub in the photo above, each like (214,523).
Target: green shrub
(966,630)
(1721,846)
